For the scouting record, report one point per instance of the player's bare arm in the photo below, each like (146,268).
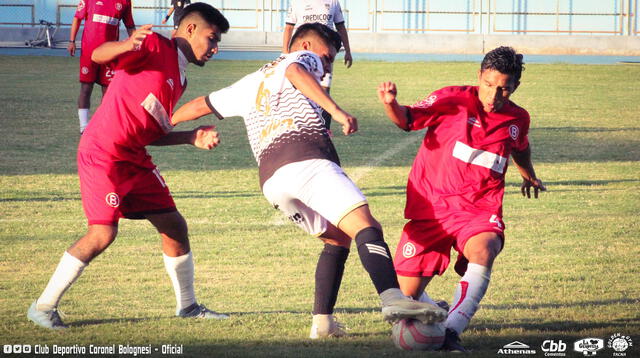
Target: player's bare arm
(75,25)
(131,30)
(387,93)
(286,37)
(523,162)
(301,79)
(192,110)
(203,137)
(342,31)
(164,21)
(109,51)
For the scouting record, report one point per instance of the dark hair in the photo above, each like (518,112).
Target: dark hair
(504,60)
(208,13)
(329,36)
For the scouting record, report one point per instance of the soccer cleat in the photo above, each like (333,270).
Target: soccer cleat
(47,319)
(200,311)
(326,326)
(409,308)
(452,342)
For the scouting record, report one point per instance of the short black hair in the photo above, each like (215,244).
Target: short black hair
(208,13)
(329,36)
(505,60)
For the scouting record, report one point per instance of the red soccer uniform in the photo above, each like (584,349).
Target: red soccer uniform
(117,175)
(456,184)
(101,24)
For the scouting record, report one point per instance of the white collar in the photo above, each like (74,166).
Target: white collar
(182,65)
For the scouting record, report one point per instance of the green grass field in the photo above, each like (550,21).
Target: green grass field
(569,269)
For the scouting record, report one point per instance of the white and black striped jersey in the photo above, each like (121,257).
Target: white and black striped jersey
(283,125)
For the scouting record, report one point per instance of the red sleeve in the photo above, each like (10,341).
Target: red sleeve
(134,59)
(523,139)
(428,111)
(127,17)
(81,10)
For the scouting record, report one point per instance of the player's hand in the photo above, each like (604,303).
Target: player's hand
(387,92)
(71,47)
(136,38)
(348,60)
(349,122)
(205,137)
(164,21)
(537,185)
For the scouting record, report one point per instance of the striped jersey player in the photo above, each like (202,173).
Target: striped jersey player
(300,172)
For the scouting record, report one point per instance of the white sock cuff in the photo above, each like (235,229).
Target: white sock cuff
(73,262)
(178,260)
(483,271)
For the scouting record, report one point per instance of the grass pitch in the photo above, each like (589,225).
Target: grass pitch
(569,269)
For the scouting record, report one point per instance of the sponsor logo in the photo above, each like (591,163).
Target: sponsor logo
(118,6)
(588,346)
(619,344)
(296,218)
(113,200)
(514,131)
(80,5)
(552,348)
(408,250)
(516,348)
(99,3)
(84,70)
(473,121)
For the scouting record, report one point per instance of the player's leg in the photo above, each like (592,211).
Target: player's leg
(376,259)
(84,103)
(178,261)
(44,310)
(328,278)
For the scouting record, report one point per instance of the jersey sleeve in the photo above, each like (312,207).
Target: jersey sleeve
(127,17)
(427,112)
(291,19)
(308,60)
(234,100)
(81,10)
(338,17)
(133,59)
(523,139)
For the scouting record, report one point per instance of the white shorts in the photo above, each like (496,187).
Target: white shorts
(313,192)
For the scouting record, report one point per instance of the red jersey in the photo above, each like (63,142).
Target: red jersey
(137,107)
(462,161)
(102,20)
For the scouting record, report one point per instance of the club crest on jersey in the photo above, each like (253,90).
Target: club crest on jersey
(118,6)
(514,131)
(408,250)
(113,200)
(84,70)
(429,101)
(99,3)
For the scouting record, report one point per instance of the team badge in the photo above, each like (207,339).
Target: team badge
(118,6)
(80,5)
(84,70)
(113,200)
(409,250)
(429,101)
(514,131)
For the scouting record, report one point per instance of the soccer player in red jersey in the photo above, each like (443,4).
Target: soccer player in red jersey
(456,184)
(117,177)
(101,24)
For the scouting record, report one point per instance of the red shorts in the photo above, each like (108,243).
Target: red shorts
(425,245)
(91,72)
(113,190)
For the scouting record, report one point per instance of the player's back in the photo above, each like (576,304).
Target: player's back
(137,106)
(102,20)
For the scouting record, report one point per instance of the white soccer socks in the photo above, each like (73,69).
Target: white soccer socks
(83,116)
(181,271)
(466,298)
(68,270)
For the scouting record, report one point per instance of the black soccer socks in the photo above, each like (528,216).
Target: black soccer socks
(328,278)
(376,259)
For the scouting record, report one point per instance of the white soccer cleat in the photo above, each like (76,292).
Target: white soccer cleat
(426,313)
(200,311)
(326,326)
(48,319)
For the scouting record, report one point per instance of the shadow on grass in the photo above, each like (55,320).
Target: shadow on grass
(622,301)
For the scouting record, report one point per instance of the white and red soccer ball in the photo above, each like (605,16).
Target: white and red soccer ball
(413,335)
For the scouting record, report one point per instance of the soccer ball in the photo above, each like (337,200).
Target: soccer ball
(413,335)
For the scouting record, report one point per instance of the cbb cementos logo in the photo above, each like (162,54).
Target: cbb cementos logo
(113,200)
(408,250)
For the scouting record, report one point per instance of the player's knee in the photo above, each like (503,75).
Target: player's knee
(483,249)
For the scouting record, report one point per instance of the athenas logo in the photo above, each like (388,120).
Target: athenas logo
(516,348)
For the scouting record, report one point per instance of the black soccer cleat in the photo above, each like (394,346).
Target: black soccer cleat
(452,342)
